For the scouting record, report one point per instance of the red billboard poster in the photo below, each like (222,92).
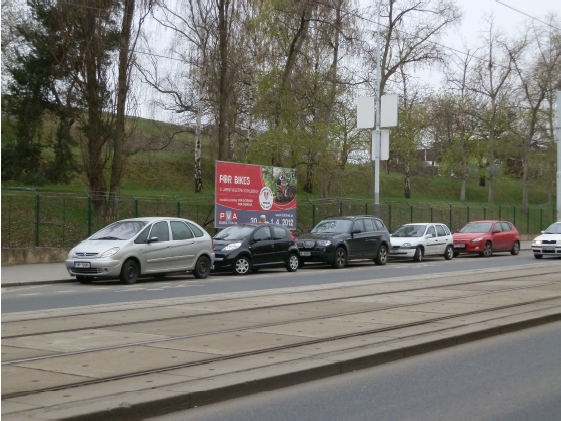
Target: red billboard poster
(245,193)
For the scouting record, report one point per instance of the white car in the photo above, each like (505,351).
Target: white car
(549,243)
(414,241)
(151,246)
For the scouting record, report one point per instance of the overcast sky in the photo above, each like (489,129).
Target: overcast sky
(505,17)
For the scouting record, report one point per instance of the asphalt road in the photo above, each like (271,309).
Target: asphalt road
(40,297)
(510,377)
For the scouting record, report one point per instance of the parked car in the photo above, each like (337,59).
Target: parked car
(137,247)
(549,243)
(243,248)
(337,240)
(414,241)
(487,237)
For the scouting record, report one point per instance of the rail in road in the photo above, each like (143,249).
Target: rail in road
(111,360)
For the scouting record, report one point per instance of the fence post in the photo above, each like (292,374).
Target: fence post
(513,214)
(178,207)
(527,220)
(390,215)
(467,211)
(313,212)
(410,211)
(135,206)
(63,219)
(430,211)
(484,211)
(89,213)
(450,226)
(37,217)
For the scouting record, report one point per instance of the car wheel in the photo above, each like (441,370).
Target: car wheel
(202,268)
(487,250)
(449,252)
(538,256)
(84,279)
(242,265)
(382,255)
(340,259)
(515,248)
(418,256)
(456,254)
(293,263)
(129,272)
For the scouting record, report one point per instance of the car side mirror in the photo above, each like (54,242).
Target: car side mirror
(496,231)
(456,231)
(356,231)
(543,232)
(429,235)
(152,240)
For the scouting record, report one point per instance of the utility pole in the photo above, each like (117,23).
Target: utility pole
(376,134)
(558,135)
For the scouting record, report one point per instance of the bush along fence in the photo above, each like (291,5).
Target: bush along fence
(46,219)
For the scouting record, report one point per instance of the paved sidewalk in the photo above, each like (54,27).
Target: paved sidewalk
(50,273)
(192,351)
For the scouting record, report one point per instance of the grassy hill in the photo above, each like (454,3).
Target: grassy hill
(163,165)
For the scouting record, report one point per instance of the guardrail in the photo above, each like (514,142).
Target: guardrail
(57,219)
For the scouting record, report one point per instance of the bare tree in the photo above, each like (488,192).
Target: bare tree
(538,78)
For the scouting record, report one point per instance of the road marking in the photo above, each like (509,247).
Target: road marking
(21,289)
(32,293)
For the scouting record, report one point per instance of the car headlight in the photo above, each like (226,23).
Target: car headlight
(323,243)
(477,240)
(71,254)
(538,242)
(232,246)
(406,245)
(110,252)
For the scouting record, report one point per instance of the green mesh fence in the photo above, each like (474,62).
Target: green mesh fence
(53,219)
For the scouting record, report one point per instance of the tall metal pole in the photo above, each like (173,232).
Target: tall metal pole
(558,135)
(376,137)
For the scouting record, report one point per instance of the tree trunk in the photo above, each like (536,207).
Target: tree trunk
(122,91)
(223,144)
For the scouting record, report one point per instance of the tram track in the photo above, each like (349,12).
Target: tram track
(552,300)
(265,307)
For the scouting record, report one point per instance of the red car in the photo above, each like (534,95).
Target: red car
(486,237)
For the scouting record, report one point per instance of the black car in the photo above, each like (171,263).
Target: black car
(249,247)
(336,240)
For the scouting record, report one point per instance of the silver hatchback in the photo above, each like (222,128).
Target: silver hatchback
(152,246)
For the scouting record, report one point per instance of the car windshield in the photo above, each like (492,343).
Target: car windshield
(410,231)
(332,226)
(477,227)
(122,230)
(235,232)
(553,229)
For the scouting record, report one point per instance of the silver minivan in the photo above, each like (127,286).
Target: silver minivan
(151,246)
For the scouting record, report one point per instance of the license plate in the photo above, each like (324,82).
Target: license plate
(548,248)
(82,265)
(305,253)
(459,246)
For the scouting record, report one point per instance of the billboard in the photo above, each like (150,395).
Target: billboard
(244,192)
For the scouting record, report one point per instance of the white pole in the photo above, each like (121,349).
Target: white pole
(377,130)
(558,134)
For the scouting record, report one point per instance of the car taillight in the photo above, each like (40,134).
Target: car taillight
(212,239)
(293,238)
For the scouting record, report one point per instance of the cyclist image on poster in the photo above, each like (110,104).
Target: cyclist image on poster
(285,184)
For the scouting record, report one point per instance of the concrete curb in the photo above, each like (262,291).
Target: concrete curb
(138,406)
(25,283)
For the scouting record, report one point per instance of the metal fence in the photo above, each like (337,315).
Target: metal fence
(54,219)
